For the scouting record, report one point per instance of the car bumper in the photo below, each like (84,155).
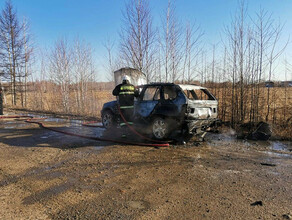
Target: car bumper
(196,126)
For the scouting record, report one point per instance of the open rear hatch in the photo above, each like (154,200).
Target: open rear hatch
(201,103)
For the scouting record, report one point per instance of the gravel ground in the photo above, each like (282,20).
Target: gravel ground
(46,175)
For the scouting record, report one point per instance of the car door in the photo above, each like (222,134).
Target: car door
(168,105)
(147,102)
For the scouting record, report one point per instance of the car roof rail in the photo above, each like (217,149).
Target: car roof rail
(162,83)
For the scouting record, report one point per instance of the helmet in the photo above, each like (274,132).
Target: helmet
(126,78)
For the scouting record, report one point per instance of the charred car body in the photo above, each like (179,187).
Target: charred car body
(168,109)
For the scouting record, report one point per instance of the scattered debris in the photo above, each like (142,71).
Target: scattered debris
(252,131)
(260,203)
(287,216)
(262,132)
(268,164)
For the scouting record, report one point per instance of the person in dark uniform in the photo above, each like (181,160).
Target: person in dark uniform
(126,93)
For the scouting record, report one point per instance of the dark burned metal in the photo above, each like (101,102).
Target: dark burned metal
(262,132)
(257,203)
(268,164)
(255,131)
(188,109)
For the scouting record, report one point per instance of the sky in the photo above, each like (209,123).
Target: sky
(94,21)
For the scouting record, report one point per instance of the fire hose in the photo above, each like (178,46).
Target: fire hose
(31,119)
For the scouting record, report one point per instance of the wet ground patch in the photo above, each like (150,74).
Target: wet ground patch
(217,179)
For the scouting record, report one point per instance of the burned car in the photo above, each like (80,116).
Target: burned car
(167,109)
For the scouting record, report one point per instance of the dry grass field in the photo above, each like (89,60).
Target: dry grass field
(52,102)
(280,104)
(280,101)
(280,108)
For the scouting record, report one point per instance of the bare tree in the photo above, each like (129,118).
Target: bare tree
(213,71)
(285,114)
(11,45)
(112,63)
(252,51)
(137,37)
(43,88)
(272,57)
(171,44)
(39,88)
(203,67)
(60,65)
(192,51)
(263,25)
(83,71)
(28,53)
(239,53)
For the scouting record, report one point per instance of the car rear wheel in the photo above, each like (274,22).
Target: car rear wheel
(107,119)
(159,128)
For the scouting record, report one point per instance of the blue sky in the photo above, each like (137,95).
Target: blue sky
(95,20)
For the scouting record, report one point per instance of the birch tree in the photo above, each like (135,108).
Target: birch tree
(28,56)
(171,44)
(137,37)
(60,65)
(83,73)
(193,34)
(273,55)
(112,61)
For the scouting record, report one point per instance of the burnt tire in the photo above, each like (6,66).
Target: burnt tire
(108,120)
(160,128)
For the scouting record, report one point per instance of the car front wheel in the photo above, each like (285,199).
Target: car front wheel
(160,128)
(107,119)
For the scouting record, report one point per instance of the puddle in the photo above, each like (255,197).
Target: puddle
(273,154)
(98,147)
(48,118)
(76,122)
(69,122)
(13,124)
(50,134)
(280,146)
(6,127)
(72,126)
(54,120)
(281,149)
(212,137)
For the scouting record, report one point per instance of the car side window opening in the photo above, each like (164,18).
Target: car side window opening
(169,93)
(151,93)
(191,94)
(198,94)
